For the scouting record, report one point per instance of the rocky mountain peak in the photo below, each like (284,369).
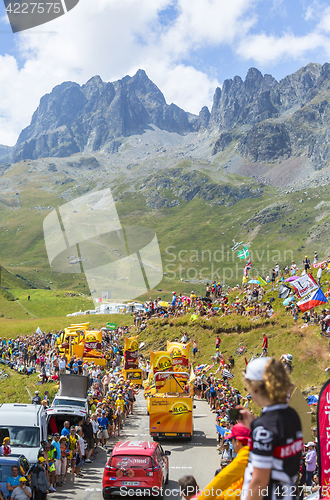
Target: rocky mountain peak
(93,117)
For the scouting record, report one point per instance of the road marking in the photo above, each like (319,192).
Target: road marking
(202,415)
(180,467)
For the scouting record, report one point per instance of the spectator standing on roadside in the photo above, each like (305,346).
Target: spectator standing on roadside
(319,275)
(58,464)
(62,365)
(40,483)
(64,460)
(87,429)
(316,257)
(310,463)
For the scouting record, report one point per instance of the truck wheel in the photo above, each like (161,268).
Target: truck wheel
(155,438)
(106,495)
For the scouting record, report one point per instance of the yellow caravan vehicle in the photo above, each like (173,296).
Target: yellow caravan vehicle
(171,411)
(134,375)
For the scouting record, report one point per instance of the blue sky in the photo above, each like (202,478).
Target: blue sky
(187,47)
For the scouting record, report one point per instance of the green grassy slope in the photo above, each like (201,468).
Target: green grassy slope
(195,237)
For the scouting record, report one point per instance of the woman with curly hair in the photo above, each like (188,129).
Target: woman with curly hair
(277,438)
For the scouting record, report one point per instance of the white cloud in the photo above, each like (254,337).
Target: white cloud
(100,37)
(266,48)
(270,49)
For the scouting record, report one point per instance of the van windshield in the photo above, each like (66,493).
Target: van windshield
(24,437)
(68,402)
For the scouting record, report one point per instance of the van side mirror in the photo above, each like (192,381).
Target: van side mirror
(167,452)
(194,406)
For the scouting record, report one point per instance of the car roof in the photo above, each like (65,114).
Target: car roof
(12,459)
(145,448)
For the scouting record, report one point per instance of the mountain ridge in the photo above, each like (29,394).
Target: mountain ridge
(253,124)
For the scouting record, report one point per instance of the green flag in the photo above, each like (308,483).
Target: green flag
(263,282)
(111,326)
(242,254)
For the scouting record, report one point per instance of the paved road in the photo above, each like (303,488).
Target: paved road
(198,457)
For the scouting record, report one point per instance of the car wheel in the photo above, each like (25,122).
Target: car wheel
(106,495)
(167,477)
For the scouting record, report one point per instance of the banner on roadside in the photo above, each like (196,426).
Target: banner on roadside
(323,437)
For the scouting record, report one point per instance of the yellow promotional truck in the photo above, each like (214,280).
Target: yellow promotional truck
(134,375)
(171,411)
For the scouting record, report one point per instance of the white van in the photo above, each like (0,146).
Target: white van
(70,403)
(25,424)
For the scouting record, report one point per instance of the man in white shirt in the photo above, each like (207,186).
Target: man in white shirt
(319,275)
(62,365)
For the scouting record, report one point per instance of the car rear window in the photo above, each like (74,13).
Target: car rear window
(133,462)
(5,472)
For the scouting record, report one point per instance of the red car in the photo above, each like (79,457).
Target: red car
(139,466)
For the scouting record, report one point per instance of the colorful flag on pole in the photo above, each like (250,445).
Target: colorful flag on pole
(314,299)
(304,285)
(242,254)
(262,281)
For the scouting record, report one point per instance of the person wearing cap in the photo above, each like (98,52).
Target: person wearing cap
(36,400)
(226,454)
(57,446)
(73,445)
(230,479)
(310,462)
(277,439)
(39,481)
(22,492)
(13,480)
(5,449)
(103,424)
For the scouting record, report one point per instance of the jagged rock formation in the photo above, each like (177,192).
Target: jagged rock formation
(74,118)
(265,120)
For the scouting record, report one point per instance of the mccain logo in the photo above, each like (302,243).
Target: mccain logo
(164,363)
(27,14)
(179,409)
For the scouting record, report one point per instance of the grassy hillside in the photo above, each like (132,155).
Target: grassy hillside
(195,236)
